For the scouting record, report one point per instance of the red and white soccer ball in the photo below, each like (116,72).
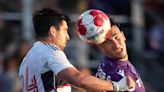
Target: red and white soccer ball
(93,26)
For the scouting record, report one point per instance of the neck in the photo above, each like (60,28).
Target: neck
(49,40)
(45,40)
(125,58)
(49,43)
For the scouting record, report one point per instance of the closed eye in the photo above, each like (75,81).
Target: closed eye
(117,36)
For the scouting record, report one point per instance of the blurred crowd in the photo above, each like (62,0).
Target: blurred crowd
(150,62)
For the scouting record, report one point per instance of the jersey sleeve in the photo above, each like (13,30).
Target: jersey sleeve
(58,61)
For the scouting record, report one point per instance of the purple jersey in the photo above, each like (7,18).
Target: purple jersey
(115,70)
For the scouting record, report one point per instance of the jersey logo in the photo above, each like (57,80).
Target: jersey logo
(101,74)
(139,82)
(121,72)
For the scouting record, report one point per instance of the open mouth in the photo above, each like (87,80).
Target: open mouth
(119,50)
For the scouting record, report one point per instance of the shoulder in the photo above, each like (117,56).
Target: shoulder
(47,50)
(131,66)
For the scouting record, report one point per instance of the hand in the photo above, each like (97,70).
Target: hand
(124,84)
(130,84)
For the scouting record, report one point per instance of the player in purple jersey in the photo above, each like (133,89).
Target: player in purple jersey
(115,65)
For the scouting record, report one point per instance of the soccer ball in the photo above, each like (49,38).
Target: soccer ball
(93,26)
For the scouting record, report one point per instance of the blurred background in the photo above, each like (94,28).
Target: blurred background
(141,20)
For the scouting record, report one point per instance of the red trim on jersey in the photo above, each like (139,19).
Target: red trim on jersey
(61,86)
(27,79)
(33,86)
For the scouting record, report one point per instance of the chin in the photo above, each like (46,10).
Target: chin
(62,48)
(123,57)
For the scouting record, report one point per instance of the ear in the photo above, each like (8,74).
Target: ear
(52,31)
(122,35)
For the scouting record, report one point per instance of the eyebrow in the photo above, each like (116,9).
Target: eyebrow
(111,36)
(114,34)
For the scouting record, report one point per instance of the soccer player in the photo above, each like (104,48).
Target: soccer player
(46,64)
(115,65)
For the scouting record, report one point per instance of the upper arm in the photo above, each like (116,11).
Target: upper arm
(57,61)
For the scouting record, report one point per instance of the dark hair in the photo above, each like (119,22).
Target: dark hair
(45,18)
(113,22)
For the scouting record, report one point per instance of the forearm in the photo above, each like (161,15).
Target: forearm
(97,85)
(89,82)
(85,81)
(94,84)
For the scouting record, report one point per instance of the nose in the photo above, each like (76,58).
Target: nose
(67,37)
(115,44)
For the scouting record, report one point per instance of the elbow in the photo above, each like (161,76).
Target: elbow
(80,80)
(79,83)
(74,77)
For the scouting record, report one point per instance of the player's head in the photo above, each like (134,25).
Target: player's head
(115,46)
(53,25)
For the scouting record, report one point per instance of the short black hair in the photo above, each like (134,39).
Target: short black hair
(113,22)
(45,18)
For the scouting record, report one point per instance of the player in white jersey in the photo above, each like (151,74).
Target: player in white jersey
(46,68)
(37,68)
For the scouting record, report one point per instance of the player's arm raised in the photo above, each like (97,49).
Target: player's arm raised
(89,82)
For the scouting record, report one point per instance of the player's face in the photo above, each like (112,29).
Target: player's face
(62,35)
(115,46)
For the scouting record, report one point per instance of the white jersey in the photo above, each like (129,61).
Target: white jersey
(39,68)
